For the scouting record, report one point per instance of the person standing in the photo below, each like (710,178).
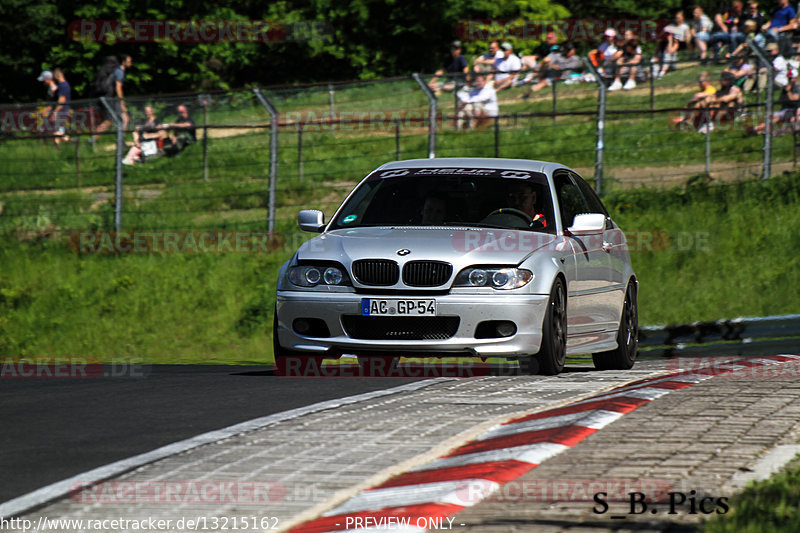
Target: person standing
(63,97)
(115,90)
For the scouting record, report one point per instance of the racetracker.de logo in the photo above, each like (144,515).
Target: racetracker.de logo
(209,492)
(66,367)
(195,31)
(175,242)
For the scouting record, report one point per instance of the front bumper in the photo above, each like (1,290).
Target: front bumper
(525,310)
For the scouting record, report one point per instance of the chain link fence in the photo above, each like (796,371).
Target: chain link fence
(254,157)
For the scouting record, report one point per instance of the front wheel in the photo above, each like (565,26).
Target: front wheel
(553,352)
(623,357)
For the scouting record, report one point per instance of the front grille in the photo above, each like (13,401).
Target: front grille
(408,328)
(376,271)
(426,273)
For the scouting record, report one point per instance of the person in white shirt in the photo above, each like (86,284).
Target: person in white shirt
(487,61)
(700,27)
(478,105)
(507,68)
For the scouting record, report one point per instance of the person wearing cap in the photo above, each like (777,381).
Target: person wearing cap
(598,55)
(46,77)
(700,31)
(507,69)
(455,67)
(779,64)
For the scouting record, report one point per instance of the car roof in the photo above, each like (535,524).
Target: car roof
(476,162)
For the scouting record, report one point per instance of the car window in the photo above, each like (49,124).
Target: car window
(592,200)
(429,197)
(570,200)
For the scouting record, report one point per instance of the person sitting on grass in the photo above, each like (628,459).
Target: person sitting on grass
(181,132)
(699,103)
(477,106)
(627,62)
(725,102)
(790,108)
(557,65)
(455,67)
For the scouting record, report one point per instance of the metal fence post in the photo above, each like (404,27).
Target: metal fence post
(300,150)
(601,126)
(118,155)
(770,95)
(652,80)
(497,136)
(432,119)
(273,156)
(204,101)
(397,140)
(330,99)
(555,100)
(707,121)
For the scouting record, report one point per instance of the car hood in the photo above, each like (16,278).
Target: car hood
(459,246)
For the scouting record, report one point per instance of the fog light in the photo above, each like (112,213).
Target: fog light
(301,326)
(505,329)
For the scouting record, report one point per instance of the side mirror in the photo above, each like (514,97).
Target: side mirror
(311,220)
(588,224)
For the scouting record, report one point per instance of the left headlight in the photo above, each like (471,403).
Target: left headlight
(313,275)
(502,278)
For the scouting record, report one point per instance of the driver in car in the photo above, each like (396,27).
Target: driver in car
(522,196)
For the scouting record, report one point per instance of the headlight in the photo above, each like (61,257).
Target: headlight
(502,278)
(313,275)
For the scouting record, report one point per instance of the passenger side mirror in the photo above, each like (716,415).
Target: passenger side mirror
(311,220)
(588,224)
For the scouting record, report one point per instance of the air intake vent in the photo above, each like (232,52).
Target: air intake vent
(400,328)
(376,272)
(426,273)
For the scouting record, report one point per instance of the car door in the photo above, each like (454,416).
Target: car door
(586,312)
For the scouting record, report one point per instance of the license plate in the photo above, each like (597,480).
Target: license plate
(398,307)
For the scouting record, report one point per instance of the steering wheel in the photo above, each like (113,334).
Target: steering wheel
(511,211)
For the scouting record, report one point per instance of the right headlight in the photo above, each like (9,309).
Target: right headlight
(313,275)
(501,278)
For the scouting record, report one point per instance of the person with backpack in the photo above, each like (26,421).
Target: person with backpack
(108,83)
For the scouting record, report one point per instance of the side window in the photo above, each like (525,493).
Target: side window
(592,200)
(570,199)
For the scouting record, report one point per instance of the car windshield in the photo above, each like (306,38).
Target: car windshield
(492,198)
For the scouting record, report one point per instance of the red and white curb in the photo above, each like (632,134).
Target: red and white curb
(425,497)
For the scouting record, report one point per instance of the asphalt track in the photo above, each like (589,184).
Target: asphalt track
(56,428)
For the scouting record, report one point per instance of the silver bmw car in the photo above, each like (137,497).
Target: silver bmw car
(463,257)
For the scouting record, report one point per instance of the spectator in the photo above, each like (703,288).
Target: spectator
(779,64)
(598,55)
(627,64)
(455,68)
(507,68)
(782,21)
(676,36)
(50,86)
(147,136)
(478,105)
(63,97)
(725,103)
(116,91)
(758,22)
(533,62)
(700,101)
(182,132)
(789,102)
(740,69)
(557,65)
(487,61)
(728,29)
(700,27)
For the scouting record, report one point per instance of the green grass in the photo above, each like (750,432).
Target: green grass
(764,506)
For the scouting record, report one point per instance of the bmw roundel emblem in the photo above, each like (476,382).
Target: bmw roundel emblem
(403,251)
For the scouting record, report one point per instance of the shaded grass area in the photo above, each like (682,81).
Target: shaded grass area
(721,252)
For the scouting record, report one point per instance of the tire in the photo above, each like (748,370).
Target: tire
(553,352)
(624,355)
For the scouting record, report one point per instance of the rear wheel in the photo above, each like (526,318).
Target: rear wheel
(623,357)
(553,352)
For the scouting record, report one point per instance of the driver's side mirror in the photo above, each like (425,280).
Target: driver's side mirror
(588,224)
(311,220)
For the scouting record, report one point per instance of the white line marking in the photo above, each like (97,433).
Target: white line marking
(61,488)
(594,419)
(457,492)
(533,454)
